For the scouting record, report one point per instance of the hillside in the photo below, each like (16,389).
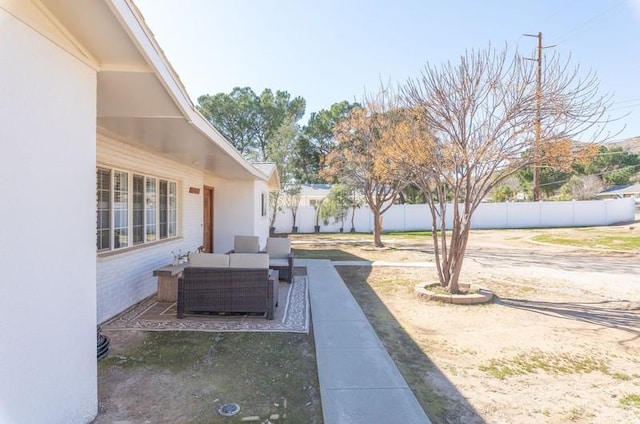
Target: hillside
(631,145)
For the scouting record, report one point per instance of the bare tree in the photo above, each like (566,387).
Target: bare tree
(582,187)
(472,126)
(362,136)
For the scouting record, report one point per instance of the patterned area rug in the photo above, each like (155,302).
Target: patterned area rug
(291,315)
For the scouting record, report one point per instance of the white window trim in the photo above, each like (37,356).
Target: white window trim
(130,245)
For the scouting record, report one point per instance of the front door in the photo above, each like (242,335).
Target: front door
(207,221)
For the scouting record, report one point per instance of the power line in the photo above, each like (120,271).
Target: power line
(565,36)
(627,101)
(631,106)
(596,174)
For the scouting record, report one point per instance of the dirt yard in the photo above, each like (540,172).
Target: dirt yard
(561,342)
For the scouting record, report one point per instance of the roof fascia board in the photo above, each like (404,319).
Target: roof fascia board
(142,69)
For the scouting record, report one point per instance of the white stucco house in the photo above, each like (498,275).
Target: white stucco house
(105,169)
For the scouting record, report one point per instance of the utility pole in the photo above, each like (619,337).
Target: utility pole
(538,123)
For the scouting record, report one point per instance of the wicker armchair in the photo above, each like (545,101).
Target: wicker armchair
(281,256)
(242,286)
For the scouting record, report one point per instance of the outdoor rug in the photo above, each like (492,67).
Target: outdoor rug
(291,315)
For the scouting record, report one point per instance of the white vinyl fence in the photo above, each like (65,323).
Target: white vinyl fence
(488,215)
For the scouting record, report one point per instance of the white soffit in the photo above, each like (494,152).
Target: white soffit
(140,98)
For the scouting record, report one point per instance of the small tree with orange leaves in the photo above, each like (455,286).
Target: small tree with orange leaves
(362,138)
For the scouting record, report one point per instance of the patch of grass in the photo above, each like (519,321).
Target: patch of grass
(577,413)
(621,376)
(392,285)
(438,289)
(508,289)
(632,399)
(409,235)
(551,363)
(264,373)
(170,350)
(627,242)
(331,254)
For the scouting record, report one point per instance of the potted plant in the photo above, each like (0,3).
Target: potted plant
(317,207)
(274,208)
(292,201)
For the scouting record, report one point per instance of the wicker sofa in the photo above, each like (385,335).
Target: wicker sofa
(237,282)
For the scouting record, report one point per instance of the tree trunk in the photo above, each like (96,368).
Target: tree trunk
(377,228)
(457,249)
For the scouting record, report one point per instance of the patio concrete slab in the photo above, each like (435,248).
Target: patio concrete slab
(359,382)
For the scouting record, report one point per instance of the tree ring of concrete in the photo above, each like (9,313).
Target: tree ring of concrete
(482,296)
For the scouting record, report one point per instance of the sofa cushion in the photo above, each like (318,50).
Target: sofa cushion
(246,244)
(278,262)
(209,260)
(278,247)
(248,260)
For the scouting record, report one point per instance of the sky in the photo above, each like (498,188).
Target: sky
(333,50)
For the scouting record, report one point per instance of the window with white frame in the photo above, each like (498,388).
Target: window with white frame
(133,209)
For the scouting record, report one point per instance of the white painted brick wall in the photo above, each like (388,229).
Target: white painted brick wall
(125,278)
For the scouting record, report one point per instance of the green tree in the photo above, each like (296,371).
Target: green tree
(616,166)
(411,194)
(250,122)
(317,139)
(234,115)
(502,193)
(338,203)
(551,179)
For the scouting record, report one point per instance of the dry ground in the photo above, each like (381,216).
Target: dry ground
(561,342)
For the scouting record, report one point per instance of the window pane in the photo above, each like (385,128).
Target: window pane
(163,205)
(132,209)
(151,208)
(138,209)
(173,215)
(103,208)
(120,209)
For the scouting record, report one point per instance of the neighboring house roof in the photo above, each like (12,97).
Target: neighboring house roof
(271,171)
(141,100)
(621,190)
(315,190)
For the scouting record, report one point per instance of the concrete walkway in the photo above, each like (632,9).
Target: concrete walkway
(359,382)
